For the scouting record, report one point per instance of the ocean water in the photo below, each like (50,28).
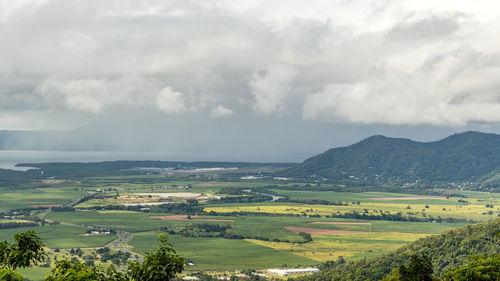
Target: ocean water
(9,158)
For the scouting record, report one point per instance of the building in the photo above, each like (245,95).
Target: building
(287,272)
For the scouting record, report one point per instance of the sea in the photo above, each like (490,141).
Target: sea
(9,158)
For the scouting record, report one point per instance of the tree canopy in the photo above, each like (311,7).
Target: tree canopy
(27,250)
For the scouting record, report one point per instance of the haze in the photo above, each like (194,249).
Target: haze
(246,81)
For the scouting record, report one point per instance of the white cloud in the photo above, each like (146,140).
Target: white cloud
(221,111)
(271,88)
(82,95)
(94,95)
(428,62)
(452,89)
(169,101)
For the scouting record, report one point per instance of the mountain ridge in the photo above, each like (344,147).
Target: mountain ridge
(466,156)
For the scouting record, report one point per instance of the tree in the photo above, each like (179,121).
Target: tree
(394,276)
(163,264)
(9,275)
(74,270)
(26,250)
(418,269)
(479,269)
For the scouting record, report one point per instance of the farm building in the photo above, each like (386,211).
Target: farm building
(286,272)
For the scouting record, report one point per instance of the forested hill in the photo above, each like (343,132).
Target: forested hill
(446,251)
(468,156)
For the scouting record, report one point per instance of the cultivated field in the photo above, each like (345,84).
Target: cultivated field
(231,225)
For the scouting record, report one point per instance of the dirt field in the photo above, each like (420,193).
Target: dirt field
(151,199)
(406,198)
(319,231)
(187,195)
(340,222)
(184,218)
(45,206)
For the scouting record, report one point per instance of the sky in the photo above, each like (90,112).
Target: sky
(249,80)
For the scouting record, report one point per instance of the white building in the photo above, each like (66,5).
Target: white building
(286,272)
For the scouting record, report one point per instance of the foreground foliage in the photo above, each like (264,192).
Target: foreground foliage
(418,269)
(26,250)
(479,268)
(162,264)
(74,270)
(446,251)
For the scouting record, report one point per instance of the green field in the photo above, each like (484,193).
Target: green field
(363,196)
(62,236)
(476,212)
(34,273)
(263,234)
(17,199)
(126,221)
(223,254)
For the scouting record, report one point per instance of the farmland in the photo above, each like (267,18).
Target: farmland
(230,224)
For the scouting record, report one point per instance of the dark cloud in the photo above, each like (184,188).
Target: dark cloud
(431,27)
(67,64)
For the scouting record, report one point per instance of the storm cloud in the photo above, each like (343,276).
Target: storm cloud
(68,64)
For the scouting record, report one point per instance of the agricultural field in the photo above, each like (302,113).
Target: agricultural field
(223,254)
(476,212)
(230,225)
(37,197)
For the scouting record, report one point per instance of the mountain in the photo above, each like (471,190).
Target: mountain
(468,156)
(446,251)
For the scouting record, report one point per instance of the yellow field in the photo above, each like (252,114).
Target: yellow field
(330,247)
(475,212)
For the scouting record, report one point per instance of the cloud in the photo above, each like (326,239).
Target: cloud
(95,95)
(169,101)
(428,27)
(221,111)
(271,87)
(452,89)
(429,63)
(83,95)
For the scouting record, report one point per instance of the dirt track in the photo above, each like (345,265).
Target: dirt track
(340,222)
(320,231)
(45,206)
(213,183)
(406,198)
(184,218)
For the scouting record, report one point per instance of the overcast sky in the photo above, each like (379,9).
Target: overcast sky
(336,71)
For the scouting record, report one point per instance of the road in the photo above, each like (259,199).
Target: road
(121,244)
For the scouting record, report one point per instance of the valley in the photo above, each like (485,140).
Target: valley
(219,226)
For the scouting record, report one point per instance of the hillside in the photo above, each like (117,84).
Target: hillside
(469,156)
(448,250)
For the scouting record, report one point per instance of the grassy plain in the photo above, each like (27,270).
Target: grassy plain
(223,254)
(257,250)
(18,199)
(476,212)
(349,246)
(361,196)
(61,236)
